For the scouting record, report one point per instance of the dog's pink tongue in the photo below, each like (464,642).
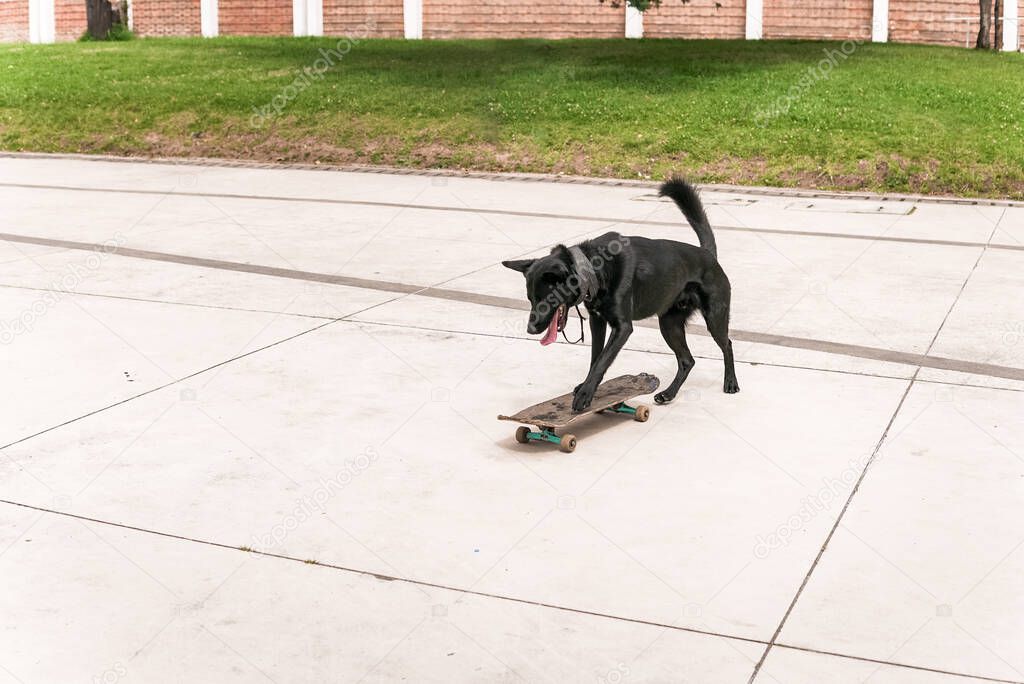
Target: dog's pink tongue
(552,334)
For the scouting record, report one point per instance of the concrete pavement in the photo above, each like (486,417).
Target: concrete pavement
(249,433)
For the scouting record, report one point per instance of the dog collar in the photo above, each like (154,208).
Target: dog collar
(585,272)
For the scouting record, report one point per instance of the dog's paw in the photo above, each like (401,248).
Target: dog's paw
(583,396)
(731,386)
(663,398)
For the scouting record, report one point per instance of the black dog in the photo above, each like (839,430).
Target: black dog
(621,279)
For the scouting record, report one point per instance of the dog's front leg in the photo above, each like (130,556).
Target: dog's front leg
(585,392)
(598,328)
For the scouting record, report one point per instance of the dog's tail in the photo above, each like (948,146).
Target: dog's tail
(686,198)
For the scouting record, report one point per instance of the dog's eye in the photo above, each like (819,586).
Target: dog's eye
(550,278)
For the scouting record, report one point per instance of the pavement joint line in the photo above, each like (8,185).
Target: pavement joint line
(510,212)
(473,333)
(167,384)
(347,319)
(379,576)
(327,322)
(771,364)
(810,344)
(870,461)
(469,174)
(638,350)
(220,307)
(488,595)
(806,649)
(831,533)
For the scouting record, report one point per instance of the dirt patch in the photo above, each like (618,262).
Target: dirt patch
(889,173)
(574,163)
(238,140)
(432,154)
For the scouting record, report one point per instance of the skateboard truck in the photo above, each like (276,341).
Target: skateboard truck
(525,435)
(631,410)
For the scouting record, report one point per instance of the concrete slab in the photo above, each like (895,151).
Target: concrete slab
(466,506)
(102,216)
(174,283)
(445,551)
(67,355)
(932,542)
(144,606)
(987,323)
(1010,230)
(730,208)
(802,667)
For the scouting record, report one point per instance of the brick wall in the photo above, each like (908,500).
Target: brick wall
(166,17)
(349,18)
(910,21)
(522,19)
(69,19)
(13,20)
(697,19)
(255,17)
(829,20)
(938,23)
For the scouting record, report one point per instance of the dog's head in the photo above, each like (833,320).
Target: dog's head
(552,287)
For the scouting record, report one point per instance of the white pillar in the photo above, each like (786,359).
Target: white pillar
(308,17)
(634,22)
(298,17)
(42,22)
(880,21)
(209,20)
(412,17)
(1011,27)
(315,17)
(755,19)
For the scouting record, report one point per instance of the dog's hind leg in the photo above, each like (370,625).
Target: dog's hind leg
(673,329)
(715,307)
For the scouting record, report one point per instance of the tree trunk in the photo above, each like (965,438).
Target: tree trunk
(983,42)
(99,17)
(997,17)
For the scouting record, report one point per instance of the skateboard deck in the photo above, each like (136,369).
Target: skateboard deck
(557,413)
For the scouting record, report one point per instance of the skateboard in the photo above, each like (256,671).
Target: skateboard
(557,413)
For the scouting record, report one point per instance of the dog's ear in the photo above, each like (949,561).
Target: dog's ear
(521,265)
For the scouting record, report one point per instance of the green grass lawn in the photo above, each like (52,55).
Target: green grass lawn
(888,117)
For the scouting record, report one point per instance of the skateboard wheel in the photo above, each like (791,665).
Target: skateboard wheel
(521,434)
(567,443)
(643,412)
